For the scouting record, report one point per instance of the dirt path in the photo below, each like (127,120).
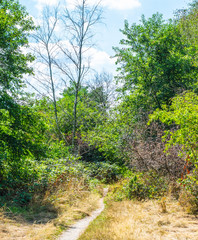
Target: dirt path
(74,232)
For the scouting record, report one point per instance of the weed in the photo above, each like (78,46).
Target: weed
(162,204)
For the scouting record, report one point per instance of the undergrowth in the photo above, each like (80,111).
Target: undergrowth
(140,186)
(49,212)
(189,192)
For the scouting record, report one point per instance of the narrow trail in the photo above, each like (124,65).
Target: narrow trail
(75,230)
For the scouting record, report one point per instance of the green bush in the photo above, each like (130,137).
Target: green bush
(27,176)
(135,189)
(140,186)
(103,171)
(189,194)
(146,186)
(183,112)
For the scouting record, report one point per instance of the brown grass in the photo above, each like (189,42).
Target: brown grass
(48,216)
(129,220)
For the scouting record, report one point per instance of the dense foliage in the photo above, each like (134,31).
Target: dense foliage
(14,27)
(184,113)
(21,129)
(153,67)
(155,64)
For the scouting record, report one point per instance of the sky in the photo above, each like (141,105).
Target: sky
(114,14)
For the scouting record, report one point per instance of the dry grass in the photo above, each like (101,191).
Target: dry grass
(59,208)
(130,220)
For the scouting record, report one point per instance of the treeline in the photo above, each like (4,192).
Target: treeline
(148,122)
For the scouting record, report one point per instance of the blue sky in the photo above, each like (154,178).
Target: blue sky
(115,12)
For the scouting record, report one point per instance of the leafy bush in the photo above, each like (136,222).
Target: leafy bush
(140,186)
(184,113)
(146,186)
(103,171)
(58,150)
(28,176)
(189,194)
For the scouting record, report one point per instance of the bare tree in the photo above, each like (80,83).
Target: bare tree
(46,50)
(75,63)
(103,89)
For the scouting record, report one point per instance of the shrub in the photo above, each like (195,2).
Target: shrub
(103,171)
(146,186)
(141,186)
(189,194)
(27,176)
(183,112)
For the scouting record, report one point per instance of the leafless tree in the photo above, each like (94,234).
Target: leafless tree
(46,51)
(103,89)
(79,26)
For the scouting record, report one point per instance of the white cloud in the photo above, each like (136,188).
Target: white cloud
(101,61)
(121,4)
(48,2)
(98,60)
(41,3)
(111,4)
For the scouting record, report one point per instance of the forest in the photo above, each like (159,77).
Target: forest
(78,129)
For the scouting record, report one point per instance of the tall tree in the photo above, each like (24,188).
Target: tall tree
(188,24)
(102,90)
(154,62)
(15,26)
(21,130)
(78,26)
(46,50)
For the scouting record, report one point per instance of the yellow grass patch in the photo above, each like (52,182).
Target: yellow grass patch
(61,207)
(129,220)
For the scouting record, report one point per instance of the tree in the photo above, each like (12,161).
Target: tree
(78,26)
(187,21)
(15,26)
(89,112)
(102,90)
(46,50)
(21,129)
(21,132)
(155,63)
